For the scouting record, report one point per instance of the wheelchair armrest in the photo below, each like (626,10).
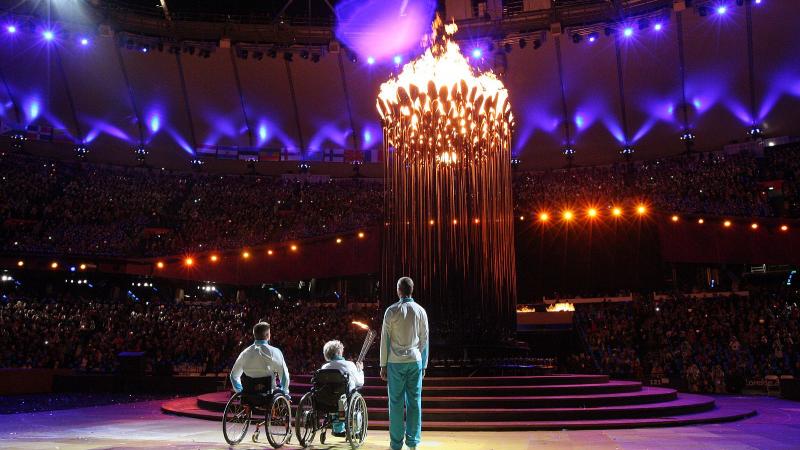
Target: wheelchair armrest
(278,391)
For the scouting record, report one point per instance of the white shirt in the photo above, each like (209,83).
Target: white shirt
(356,377)
(404,335)
(257,361)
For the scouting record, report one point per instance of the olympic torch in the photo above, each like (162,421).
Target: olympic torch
(368,340)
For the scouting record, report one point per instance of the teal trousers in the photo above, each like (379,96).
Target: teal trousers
(405,392)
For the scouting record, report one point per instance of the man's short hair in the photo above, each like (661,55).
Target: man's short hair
(332,349)
(405,286)
(261,331)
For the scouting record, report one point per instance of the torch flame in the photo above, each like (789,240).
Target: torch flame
(361,325)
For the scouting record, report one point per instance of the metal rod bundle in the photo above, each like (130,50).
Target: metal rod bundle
(448,201)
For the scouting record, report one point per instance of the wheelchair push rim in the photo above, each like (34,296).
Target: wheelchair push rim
(278,421)
(305,422)
(357,421)
(235,420)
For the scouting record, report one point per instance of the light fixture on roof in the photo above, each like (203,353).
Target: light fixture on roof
(141,153)
(18,139)
(627,152)
(81,150)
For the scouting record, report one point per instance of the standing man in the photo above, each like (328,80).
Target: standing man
(404,358)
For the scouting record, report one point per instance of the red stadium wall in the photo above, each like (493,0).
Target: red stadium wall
(690,242)
(28,381)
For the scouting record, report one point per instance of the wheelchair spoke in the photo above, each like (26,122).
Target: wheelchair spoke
(306,423)
(235,420)
(279,418)
(357,421)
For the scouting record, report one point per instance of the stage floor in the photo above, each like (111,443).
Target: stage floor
(143,426)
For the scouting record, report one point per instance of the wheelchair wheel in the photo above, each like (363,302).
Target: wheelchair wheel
(305,421)
(278,421)
(357,420)
(235,420)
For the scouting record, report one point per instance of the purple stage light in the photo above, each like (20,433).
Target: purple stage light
(383,28)
(155,123)
(84,41)
(477,53)
(628,32)
(722,9)
(33,109)
(11,29)
(658,27)
(592,38)
(48,35)
(370,60)
(398,59)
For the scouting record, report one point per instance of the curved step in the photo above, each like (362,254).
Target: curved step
(536,380)
(503,391)
(684,404)
(216,401)
(187,407)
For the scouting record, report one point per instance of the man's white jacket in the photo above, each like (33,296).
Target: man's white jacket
(257,361)
(356,377)
(404,335)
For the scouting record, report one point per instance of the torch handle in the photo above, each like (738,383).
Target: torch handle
(370,337)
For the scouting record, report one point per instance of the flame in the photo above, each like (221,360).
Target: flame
(439,102)
(561,307)
(361,325)
(525,309)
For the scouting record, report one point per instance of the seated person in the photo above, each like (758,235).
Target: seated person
(333,351)
(260,360)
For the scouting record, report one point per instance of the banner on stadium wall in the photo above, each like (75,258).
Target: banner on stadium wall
(248,153)
(351,156)
(42,133)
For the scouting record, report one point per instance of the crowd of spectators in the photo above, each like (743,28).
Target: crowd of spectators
(58,207)
(93,209)
(87,334)
(709,183)
(708,345)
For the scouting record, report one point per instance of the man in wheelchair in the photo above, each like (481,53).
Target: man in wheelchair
(260,360)
(258,394)
(333,351)
(334,401)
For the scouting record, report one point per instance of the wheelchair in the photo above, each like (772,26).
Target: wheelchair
(319,408)
(260,403)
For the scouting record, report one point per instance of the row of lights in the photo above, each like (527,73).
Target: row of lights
(246,255)
(55,265)
(47,34)
(568,215)
(728,224)
(627,31)
(641,210)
